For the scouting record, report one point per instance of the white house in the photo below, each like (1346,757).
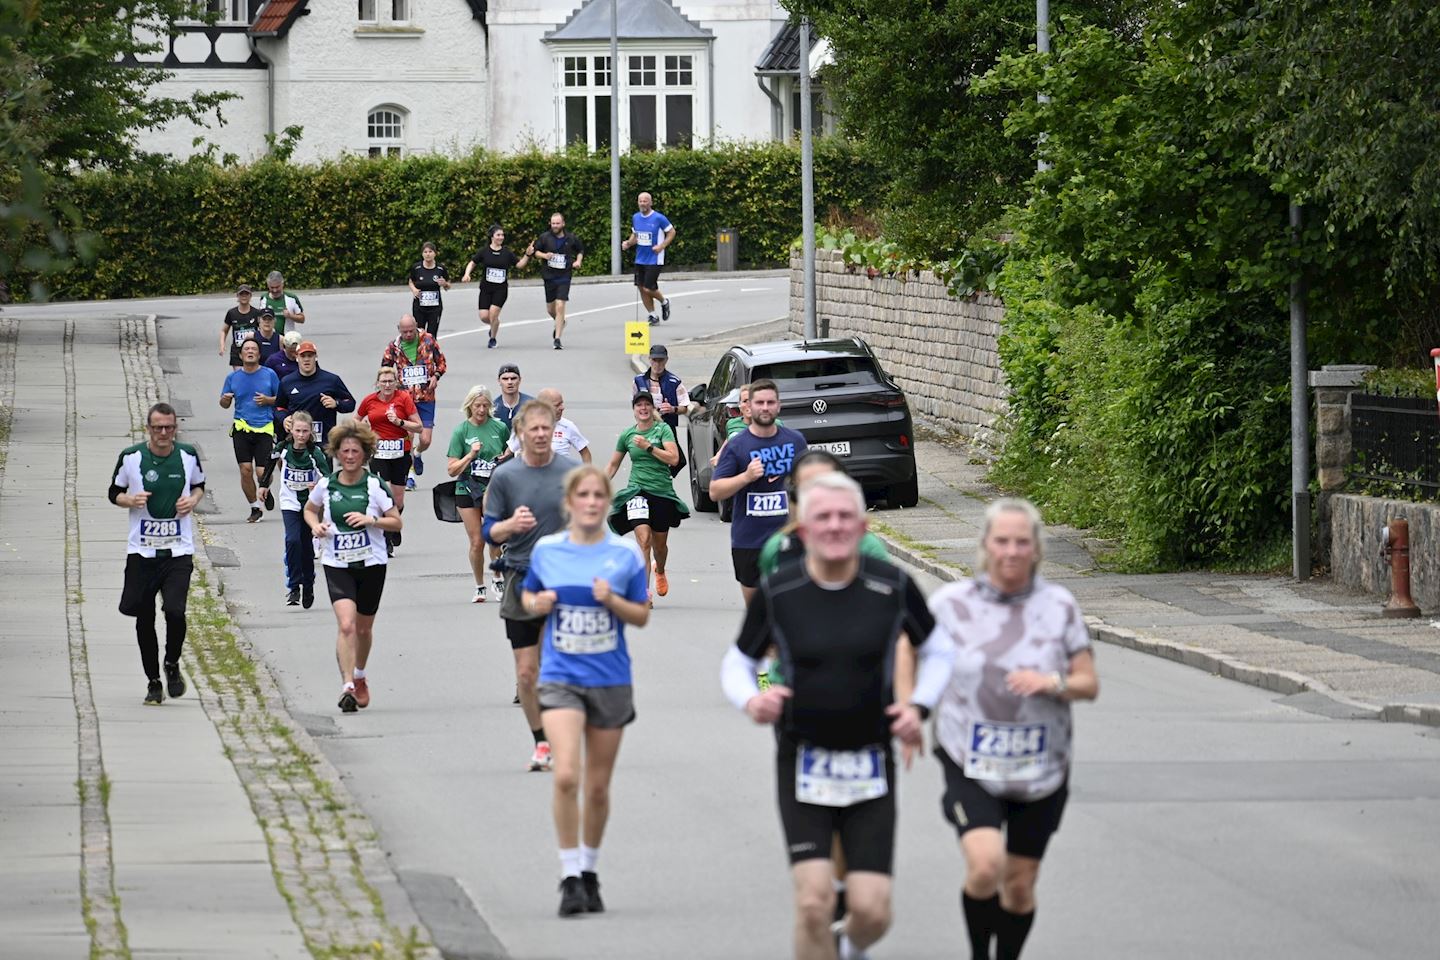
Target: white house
(444,76)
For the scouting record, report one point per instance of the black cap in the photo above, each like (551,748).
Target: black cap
(641,397)
(659,351)
(267,312)
(508,368)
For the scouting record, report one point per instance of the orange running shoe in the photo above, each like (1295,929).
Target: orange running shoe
(362,692)
(662,583)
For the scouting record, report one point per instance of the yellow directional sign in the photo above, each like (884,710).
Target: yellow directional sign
(637,337)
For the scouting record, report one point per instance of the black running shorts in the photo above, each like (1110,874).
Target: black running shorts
(145,577)
(428,318)
(557,289)
(646,510)
(393,470)
(493,295)
(647,276)
(252,447)
(747,566)
(1028,825)
(360,584)
(867,830)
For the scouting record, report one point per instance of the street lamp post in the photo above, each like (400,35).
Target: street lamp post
(807,183)
(615,137)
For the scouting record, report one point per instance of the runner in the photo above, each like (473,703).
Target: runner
(648,506)
(477,443)
(318,392)
(736,401)
(568,440)
(252,389)
(416,354)
(589,584)
(341,511)
(752,469)
(523,504)
(283,361)
(267,336)
(427,279)
(650,233)
(240,322)
(301,464)
(390,412)
(286,308)
(496,261)
(159,481)
(785,545)
(560,254)
(836,619)
(1003,724)
(510,398)
(670,396)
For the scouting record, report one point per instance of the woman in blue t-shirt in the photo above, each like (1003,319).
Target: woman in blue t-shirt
(589,583)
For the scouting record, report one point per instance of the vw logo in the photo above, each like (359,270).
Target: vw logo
(819,406)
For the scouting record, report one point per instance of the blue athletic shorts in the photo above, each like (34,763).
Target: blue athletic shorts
(427,412)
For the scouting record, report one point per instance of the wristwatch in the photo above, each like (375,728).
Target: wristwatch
(923,710)
(1060,683)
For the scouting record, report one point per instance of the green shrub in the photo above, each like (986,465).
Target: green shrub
(199,227)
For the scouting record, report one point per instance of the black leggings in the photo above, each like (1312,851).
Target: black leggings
(145,579)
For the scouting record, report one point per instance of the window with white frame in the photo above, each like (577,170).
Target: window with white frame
(385,131)
(400,11)
(226,13)
(657,106)
(680,70)
(642,71)
(367,11)
(575,72)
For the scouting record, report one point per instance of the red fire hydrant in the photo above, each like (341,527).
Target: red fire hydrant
(1395,548)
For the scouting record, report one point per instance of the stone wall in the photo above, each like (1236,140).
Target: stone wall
(1333,387)
(1356,534)
(939,349)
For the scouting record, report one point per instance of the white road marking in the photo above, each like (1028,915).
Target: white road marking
(507,324)
(756,289)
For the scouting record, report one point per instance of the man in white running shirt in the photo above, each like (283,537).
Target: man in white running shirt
(568,440)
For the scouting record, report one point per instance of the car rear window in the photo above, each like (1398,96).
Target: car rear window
(819,373)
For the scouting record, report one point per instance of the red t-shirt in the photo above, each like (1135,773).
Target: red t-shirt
(373,411)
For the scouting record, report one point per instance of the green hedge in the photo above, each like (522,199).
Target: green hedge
(200,227)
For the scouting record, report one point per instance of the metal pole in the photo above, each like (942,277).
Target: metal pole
(615,137)
(807,182)
(1299,413)
(1042,45)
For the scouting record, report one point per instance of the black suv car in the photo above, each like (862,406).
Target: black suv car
(835,393)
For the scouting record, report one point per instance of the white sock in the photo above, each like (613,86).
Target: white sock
(570,861)
(837,884)
(848,950)
(359,674)
(588,858)
(258,504)
(349,686)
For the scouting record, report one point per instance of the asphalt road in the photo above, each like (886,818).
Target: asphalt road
(1205,820)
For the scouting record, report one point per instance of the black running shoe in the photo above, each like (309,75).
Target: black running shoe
(155,694)
(652,320)
(174,683)
(348,703)
(665,309)
(269,500)
(307,596)
(292,599)
(256,514)
(557,344)
(593,903)
(492,343)
(572,897)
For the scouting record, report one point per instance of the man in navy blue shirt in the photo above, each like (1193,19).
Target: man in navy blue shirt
(319,393)
(650,233)
(752,468)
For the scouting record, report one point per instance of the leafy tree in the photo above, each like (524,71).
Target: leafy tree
(902,80)
(66,105)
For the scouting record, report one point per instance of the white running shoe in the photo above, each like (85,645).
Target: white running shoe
(540,759)
(497,584)
(479,594)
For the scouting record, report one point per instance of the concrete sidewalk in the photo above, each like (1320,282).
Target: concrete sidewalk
(128,830)
(1324,647)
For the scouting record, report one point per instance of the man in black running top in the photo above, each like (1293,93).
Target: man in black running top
(835,620)
(560,254)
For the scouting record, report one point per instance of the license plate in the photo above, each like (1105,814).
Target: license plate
(840,448)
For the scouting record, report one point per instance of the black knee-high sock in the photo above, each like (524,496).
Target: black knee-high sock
(1011,932)
(981,918)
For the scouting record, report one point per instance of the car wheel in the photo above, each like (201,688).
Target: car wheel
(905,494)
(698,496)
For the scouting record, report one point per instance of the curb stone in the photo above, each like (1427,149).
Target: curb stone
(343,894)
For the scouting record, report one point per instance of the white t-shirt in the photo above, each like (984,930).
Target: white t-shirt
(568,441)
